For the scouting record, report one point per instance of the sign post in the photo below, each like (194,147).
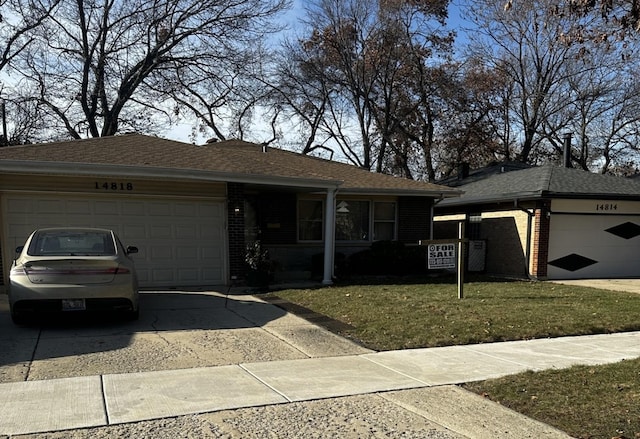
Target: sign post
(461,260)
(448,253)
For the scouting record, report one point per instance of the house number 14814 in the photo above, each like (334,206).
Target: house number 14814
(114,186)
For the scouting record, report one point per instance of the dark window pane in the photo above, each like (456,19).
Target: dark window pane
(310,220)
(352,221)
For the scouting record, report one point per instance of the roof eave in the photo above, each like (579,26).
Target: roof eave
(434,193)
(491,199)
(57,168)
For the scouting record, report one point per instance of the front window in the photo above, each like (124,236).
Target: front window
(384,221)
(352,220)
(310,220)
(356,220)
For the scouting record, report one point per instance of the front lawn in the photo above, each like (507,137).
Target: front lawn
(388,317)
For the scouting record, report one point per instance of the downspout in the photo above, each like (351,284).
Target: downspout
(530,216)
(432,213)
(329,236)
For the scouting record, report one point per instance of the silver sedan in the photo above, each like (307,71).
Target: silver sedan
(72,270)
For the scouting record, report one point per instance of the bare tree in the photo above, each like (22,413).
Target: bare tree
(615,17)
(349,77)
(303,94)
(103,66)
(18,20)
(473,118)
(525,45)
(559,82)
(604,118)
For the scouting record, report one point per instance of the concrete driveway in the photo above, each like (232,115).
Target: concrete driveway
(626,285)
(176,330)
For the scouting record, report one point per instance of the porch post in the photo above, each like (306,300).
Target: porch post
(329,236)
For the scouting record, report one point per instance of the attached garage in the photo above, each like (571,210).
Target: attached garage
(594,239)
(578,225)
(181,240)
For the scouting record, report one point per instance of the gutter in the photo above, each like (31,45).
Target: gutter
(439,194)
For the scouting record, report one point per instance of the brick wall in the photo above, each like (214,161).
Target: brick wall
(235,220)
(414,219)
(505,235)
(540,252)
(505,238)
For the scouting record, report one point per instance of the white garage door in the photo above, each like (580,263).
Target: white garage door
(594,246)
(181,242)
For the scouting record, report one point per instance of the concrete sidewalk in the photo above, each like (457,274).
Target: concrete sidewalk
(72,403)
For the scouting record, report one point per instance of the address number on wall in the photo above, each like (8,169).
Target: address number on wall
(606,207)
(114,186)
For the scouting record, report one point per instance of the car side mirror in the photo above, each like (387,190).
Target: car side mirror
(19,249)
(131,249)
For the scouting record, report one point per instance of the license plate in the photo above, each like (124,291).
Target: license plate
(74,305)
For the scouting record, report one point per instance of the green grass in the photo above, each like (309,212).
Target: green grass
(586,402)
(387,317)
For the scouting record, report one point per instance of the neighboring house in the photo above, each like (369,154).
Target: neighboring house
(548,222)
(191,209)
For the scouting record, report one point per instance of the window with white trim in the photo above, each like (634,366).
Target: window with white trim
(384,221)
(356,220)
(352,220)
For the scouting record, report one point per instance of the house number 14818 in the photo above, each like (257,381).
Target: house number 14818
(114,186)
(606,206)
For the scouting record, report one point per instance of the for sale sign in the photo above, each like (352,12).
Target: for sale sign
(441,256)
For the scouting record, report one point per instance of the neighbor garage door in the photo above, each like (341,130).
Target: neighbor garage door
(594,246)
(181,241)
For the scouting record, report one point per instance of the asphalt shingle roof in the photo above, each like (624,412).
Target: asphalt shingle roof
(233,157)
(545,182)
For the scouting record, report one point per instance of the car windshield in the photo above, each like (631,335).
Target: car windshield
(72,242)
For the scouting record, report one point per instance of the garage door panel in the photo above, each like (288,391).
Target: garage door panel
(160,231)
(19,206)
(189,274)
(178,240)
(187,232)
(188,253)
(186,210)
(133,208)
(79,207)
(50,206)
(132,230)
(211,233)
(212,253)
(587,246)
(157,253)
(159,209)
(211,211)
(106,207)
(161,276)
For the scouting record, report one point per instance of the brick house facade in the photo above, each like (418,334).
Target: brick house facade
(192,209)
